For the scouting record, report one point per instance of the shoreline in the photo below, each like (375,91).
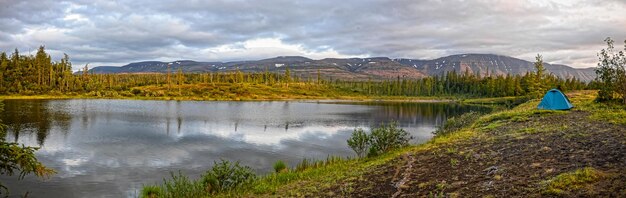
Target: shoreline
(340,99)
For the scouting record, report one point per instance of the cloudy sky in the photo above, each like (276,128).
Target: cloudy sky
(104,32)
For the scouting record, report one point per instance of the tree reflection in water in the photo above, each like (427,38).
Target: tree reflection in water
(25,117)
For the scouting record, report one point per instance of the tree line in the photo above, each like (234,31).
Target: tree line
(469,84)
(38,74)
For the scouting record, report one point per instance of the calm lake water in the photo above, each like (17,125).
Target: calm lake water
(110,148)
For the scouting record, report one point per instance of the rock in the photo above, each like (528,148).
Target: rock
(491,170)
(488,185)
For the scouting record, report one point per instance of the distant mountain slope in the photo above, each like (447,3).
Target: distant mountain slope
(374,68)
(484,64)
(359,68)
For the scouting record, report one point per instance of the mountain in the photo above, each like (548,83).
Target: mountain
(359,68)
(353,68)
(484,64)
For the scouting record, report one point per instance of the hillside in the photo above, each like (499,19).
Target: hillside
(484,64)
(360,68)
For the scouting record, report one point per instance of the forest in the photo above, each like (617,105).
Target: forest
(39,75)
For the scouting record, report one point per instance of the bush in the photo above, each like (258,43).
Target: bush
(225,176)
(359,142)
(381,140)
(135,91)
(388,137)
(280,166)
(456,123)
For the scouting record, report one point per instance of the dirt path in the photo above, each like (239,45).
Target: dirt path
(406,171)
(512,160)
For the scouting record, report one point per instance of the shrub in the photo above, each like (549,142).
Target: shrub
(135,91)
(226,175)
(388,137)
(456,123)
(359,142)
(381,140)
(280,166)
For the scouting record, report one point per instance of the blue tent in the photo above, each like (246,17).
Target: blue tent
(555,100)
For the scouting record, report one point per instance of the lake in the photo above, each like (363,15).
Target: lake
(111,148)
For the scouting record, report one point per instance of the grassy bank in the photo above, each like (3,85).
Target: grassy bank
(518,152)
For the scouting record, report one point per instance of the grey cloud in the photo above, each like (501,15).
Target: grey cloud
(121,31)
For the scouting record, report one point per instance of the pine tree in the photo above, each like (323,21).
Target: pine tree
(539,80)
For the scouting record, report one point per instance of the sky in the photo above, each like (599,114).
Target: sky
(105,32)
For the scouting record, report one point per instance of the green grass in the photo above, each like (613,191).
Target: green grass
(571,181)
(280,166)
(179,185)
(151,192)
(611,112)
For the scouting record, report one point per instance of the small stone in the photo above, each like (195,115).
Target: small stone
(458,183)
(488,185)
(491,170)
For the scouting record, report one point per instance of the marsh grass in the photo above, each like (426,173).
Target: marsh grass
(309,163)
(178,185)
(151,192)
(280,166)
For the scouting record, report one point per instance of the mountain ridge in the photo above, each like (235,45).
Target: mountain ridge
(360,68)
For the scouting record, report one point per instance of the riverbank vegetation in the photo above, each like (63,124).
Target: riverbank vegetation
(37,76)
